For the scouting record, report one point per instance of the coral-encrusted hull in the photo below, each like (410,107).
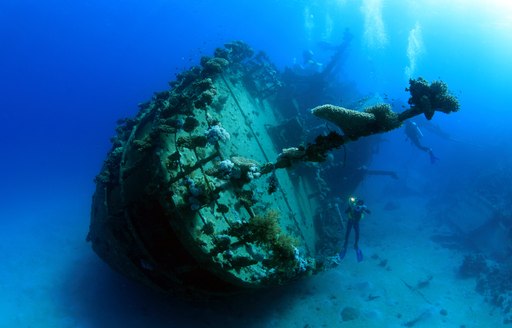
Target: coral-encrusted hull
(194,196)
(186,201)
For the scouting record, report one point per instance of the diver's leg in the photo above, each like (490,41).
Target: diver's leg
(418,144)
(433,157)
(347,233)
(356,229)
(425,148)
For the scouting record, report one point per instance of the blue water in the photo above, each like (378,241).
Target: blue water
(70,69)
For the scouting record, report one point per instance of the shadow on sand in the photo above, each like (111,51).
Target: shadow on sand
(93,295)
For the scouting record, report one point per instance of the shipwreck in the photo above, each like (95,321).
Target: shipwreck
(227,183)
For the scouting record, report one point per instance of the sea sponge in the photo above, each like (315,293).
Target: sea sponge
(216,133)
(226,166)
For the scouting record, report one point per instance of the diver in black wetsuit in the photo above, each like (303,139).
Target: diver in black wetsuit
(413,133)
(355,211)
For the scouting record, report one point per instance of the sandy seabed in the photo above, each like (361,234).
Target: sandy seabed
(51,278)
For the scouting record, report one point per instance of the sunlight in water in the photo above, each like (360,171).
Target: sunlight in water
(374,28)
(414,49)
(493,18)
(309,22)
(502,10)
(498,13)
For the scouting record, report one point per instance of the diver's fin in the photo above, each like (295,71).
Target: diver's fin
(359,254)
(342,253)
(433,158)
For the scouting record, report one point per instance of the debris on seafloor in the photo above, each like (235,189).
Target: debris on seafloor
(423,316)
(192,197)
(420,285)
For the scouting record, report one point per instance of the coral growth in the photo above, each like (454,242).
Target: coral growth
(385,118)
(185,79)
(173,161)
(196,193)
(238,168)
(204,85)
(289,155)
(493,281)
(238,262)
(191,142)
(143,144)
(221,170)
(352,122)
(204,99)
(221,244)
(221,208)
(213,66)
(355,124)
(284,252)
(219,103)
(190,124)
(265,231)
(199,193)
(124,128)
(428,99)
(110,171)
(226,166)
(216,133)
(246,198)
(473,266)
(208,228)
(273,183)
(245,168)
(261,229)
(496,286)
(237,51)
(176,104)
(317,152)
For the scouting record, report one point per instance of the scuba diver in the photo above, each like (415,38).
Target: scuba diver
(355,211)
(413,133)
(309,65)
(309,82)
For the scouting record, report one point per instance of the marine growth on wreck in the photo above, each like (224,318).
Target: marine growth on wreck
(216,187)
